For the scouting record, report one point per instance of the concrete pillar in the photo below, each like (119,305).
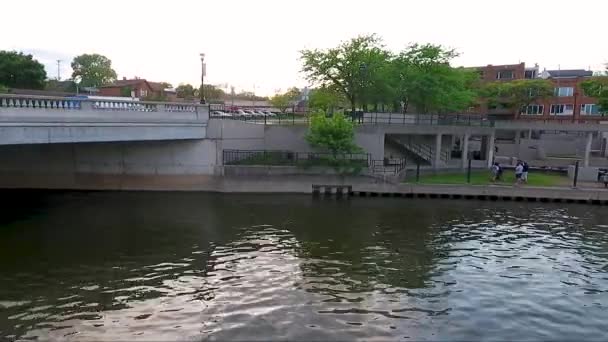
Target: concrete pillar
(437,160)
(453,142)
(491,139)
(517,143)
(465,151)
(588,149)
(529,134)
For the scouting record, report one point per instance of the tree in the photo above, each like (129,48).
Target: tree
(423,78)
(598,87)
(212,92)
(3,89)
(349,68)
(325,99)
(185,91)
(293,94)
(281,102)
(335,134)
(21,71)
(94,70)
(518,94)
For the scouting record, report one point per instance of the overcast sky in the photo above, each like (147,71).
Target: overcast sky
(251,42)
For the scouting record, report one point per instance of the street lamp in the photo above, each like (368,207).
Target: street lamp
(203,71)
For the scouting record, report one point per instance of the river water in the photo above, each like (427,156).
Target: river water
(191,266)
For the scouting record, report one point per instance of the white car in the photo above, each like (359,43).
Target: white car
(242,113)
(253,113)
(269,113)
(220,114)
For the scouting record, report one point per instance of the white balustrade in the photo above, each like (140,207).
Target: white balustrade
(61,103)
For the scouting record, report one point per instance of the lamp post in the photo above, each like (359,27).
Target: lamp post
(202,92)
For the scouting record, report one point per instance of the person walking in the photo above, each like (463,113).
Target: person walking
(519,169)
(524,173)
(495,172)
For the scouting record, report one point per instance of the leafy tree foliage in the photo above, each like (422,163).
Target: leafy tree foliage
(335,134)
(281,102)
(94,70)
(185,91)
(350,68)
(18,70)
(517,94)
(325,99)
(365,73)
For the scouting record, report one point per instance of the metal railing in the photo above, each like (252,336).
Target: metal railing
(388,166)
(291,158)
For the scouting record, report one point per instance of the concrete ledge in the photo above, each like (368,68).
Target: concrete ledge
(361,186)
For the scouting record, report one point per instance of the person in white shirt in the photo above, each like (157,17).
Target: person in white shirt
(519,170)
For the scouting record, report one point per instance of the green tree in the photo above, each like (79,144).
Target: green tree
(212,92)
(94,70)
(518,94)
(21,71)
(281,102)
(421,77)
(3,89)
(335,134)
(598,87)
(325,99)
(185,91)
(293,94)
(350,68)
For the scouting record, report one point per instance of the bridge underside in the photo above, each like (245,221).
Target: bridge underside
(50,133)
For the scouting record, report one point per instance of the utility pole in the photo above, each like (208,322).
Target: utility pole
(203,71)
(59,70)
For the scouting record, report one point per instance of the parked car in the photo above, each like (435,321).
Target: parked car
(253,113)
(269,113)
(220,114)
(241,113)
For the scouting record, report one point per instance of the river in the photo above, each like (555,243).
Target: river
(193,266)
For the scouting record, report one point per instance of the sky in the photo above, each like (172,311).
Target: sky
(254,45)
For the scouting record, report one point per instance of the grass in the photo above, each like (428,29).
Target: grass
(484,178)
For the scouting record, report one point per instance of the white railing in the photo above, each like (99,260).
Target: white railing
(74,103)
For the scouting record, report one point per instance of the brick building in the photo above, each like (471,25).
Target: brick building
(139,88)
(568,103)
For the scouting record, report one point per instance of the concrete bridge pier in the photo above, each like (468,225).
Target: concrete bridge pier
(491,146)
(588,149)
(465,150)
(437,156)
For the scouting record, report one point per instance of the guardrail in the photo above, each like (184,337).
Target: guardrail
(291,158)
(97,104)
(366,119)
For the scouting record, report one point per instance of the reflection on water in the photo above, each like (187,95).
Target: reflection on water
(168,266)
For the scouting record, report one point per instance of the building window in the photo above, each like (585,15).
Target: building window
(562,109)
(533,110)
(504,75)
(143,93)
(590,109)
(563,91)
(530,74)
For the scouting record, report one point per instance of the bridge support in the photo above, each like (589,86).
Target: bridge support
(437,156)
(588,149)
(465,150)
(517,143)
(491,145)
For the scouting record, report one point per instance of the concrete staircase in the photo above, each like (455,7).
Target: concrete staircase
(424,154)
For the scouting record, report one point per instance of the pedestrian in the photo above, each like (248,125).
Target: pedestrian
(495,172)
(524,174)
(519,169)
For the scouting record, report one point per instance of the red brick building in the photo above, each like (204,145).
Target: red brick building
(568,103)
(139,88)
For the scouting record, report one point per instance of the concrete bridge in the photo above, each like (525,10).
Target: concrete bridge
(49,120)
(91,143)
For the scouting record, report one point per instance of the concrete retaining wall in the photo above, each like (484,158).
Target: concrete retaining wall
(186,157)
